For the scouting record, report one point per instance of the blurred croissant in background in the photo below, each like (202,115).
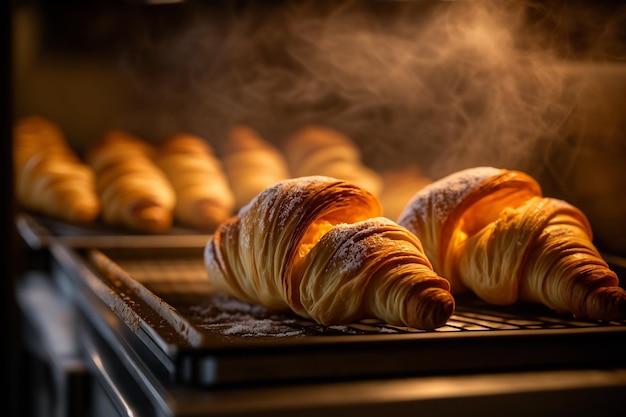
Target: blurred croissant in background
(134,192)
(203,196)
(320,150)
(251,163)
(50,178)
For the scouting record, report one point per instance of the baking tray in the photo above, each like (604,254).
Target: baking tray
(200,337)
(38,230)
(157,302)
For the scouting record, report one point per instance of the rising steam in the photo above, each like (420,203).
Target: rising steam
(443,84)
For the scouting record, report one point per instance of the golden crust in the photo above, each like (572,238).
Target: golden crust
(319,246)
(50,178)
(251,163)
(321,150)
(204,198)
(133,191)
(492,231)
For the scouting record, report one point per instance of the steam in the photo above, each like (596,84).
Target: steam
(445,85)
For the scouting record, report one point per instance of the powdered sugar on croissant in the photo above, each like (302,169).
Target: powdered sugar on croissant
(492,231)
(319,246)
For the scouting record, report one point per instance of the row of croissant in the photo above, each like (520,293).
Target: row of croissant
(318,244)
(128,182)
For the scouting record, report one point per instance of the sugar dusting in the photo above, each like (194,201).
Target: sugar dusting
(282,201)
(210,260)
(352,246)
(350,252)
(447,193)
(293,208)
(232,317)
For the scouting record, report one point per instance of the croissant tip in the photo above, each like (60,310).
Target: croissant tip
(153,218)
(84,215)
(435,308)
(208,218)
(609,304)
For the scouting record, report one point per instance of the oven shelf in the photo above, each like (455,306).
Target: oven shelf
(170,316)
(151,296)
(182,282)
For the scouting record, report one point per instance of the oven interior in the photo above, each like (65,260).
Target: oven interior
(441,85)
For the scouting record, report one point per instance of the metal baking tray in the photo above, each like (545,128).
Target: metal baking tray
(191,334)
(38,231)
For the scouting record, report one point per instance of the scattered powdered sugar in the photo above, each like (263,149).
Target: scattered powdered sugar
(245,237)
(354,243)
(284,200)
(443,195)
(293,207)
(210,262)
(232,317)
(260,327)
(351,255)
(295,191)
(266,205)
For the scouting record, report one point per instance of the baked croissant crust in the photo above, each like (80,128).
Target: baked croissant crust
(321,150)
(318,246)
(251,163)
(50,178)
(491,231)
(203,196)
(134,192)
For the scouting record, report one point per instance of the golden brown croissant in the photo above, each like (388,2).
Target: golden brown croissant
(319,150)
(203,197)
(318,246)
(251,163)
(133,191)
(491,231)
(50,178)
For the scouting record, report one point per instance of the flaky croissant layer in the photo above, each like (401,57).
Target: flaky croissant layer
(319,246)
(492,231)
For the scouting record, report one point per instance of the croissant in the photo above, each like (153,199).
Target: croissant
(318,246)
(490,231)
(251,163)
(134,192)
(319,150)
(50,178)
(203,197)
